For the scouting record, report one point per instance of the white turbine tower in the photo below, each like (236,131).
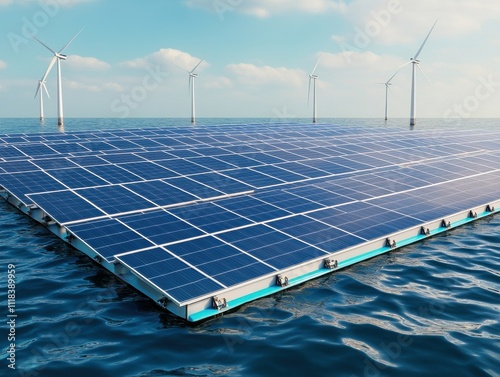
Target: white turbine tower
(192,76)
(387,85)
(415,63)
(313,78)
(57,56)
(40,89)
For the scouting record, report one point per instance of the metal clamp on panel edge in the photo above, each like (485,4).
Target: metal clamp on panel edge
(388,243)
(163,301)
(219,303)
(331,264)
(490,208)
(281,280)
(445,224)
(425,231)
(472,215)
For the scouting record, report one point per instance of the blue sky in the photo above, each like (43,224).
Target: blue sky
(129,60)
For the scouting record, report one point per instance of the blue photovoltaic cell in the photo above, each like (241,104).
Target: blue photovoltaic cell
(299,168)
(160,227)
(76,178)
(219,260)
(160,193)
(186,285)
(20,184)
(13,139)
(114,199)
(316,233)
(271,246)
(319,195)
(182,153)
(18,166)
(114,174)
(121,158)
(211,163)
(54,163)
(286,201)
(148,170)
(327,166)
(252,177)
(89,161)
(221,183)
(209,217)
(193,187)
(264,158)
(35,150)
(10,152)
(182,167)
(253,209)
(149,156)
(210,151)
(347,162)
(239,161)
(65,206)
(123,144)
(109,237)
(97,146)
(279,173)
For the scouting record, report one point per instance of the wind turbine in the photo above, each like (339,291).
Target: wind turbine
(387,85)
(415,63)
(192,76)
(58,56)
(313,77)
(41,88)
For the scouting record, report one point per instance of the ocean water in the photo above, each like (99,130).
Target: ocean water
(429,309)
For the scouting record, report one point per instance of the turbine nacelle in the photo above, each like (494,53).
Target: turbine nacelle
(61,56)
(314,76)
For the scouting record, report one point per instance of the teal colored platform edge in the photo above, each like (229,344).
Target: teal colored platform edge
(211,312)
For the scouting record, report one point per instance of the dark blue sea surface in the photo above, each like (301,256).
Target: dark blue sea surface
(429,309)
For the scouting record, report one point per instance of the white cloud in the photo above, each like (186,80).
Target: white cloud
(3,64)
(219,82)
(249,74)
(89,63)
(165,57)
(401,21)
(267,8)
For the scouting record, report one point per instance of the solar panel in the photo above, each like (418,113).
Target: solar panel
(203,219)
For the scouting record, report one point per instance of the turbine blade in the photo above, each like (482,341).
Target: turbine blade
(404,65)
(51,64)
(196,66)
(421,70)
(423,44)
(72,39)
(43,44)
(38,88)
(388,81)
(45,88)
(316,65)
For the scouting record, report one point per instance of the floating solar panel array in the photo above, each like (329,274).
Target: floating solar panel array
(203,219)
